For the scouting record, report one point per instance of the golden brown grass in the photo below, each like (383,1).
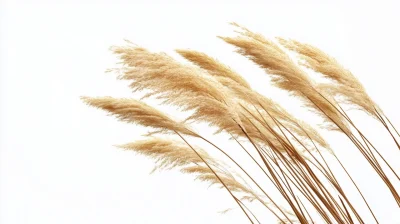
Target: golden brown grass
(289,153)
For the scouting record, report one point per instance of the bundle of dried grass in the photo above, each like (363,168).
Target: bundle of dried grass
(285,149)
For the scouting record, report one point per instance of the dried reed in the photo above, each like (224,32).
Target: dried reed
(289,153)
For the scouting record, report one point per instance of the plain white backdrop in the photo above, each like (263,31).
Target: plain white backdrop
(57,160)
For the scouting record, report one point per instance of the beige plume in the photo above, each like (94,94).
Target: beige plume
(168,153)
(344,84)
(134,111)
(203,173)
(212,66)
(181,85)
(242,90)
(286,74)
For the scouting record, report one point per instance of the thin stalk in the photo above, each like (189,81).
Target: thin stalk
(390,124)
(348,214)
(362,150)
(248,209)
(334,180)
(305,185)
(309,183)
(216,175)
(324,191)
(368,142)
(379,116)
(248,175)
(295,210)
(309,216)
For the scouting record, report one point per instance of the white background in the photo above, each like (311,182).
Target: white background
(57,160)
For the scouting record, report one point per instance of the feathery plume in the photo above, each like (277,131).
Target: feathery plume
(168,153)
(134,111)
(286,74)
(180,85)
(203,173)
(269,109)
(345,84)
(212,66)
(243,91)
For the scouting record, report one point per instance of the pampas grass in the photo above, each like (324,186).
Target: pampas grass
(286,154)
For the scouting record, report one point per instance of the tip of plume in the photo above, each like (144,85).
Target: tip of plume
(190,55)
(129,42)
(224,38)
(182,51)
(114,48)
(117,49)
(237,25)
(85,99)
(287,43)
(283,41)
(124,146)
(234,24)
(94,101)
